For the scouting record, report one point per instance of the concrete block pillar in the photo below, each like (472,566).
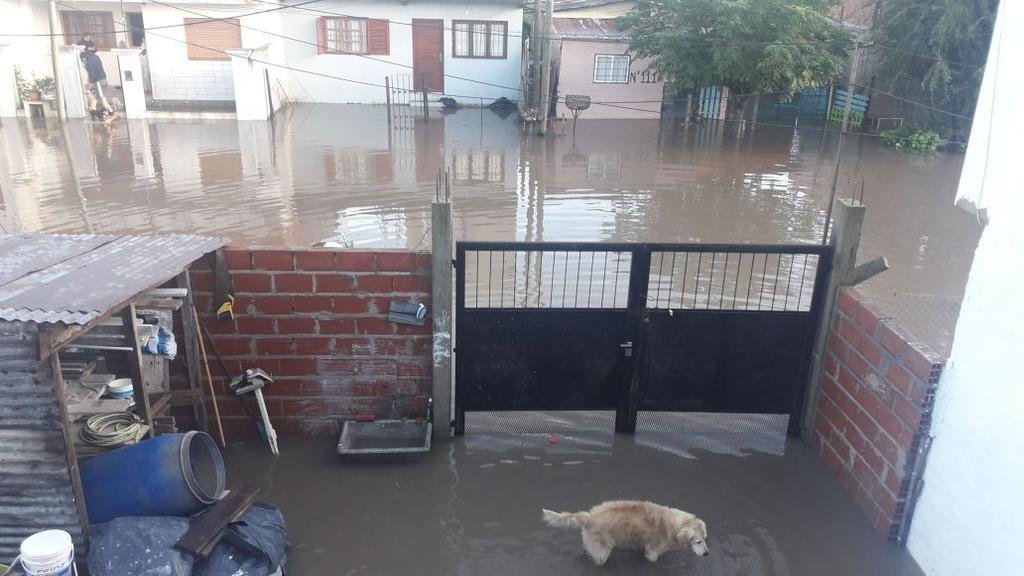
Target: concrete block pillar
(8,86)
(132,85)
(252,99)
(72,81)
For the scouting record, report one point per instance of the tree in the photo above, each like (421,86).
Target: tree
(934,51)
(749,46)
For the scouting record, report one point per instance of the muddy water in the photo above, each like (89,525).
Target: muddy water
(335,175)
(472,507)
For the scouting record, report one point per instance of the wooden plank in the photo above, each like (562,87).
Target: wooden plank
(206,531)
(69,446)
(158,303)
(82,408)
(189,330)
(186,397)
(159,403)
(135,367)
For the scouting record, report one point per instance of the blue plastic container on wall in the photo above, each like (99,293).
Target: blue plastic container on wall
(170,475)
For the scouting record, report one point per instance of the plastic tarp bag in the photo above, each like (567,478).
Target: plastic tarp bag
(140,546)
(253,546)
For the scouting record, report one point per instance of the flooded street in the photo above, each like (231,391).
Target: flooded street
(334,175)
(472,507)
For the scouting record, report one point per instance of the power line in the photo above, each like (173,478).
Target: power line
(130,28)
(915,102)
(927,56)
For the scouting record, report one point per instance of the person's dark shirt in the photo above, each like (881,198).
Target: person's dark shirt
(94,67)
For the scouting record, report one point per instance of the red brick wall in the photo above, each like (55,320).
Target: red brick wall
(874,409)
(316,320)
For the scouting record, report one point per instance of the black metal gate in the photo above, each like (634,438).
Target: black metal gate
(628,327)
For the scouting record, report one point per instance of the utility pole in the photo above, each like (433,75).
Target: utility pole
(58,89)
(534,100)
(545,68)
(851,82)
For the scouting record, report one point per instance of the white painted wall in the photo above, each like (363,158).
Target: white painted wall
(174,76)
(31,54)
(969,517)
(504,73)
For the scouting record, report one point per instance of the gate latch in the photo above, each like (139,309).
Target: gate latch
(627,347)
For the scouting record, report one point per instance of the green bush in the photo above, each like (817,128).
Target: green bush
(913,140)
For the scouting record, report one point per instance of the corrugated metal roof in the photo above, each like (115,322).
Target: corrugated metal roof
(73,279)
(36,490)
(588,29)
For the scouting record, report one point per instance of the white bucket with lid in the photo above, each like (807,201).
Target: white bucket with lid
(48,553)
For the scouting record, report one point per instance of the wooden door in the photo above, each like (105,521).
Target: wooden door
(428,54)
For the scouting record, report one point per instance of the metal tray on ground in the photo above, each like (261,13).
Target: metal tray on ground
(385,437)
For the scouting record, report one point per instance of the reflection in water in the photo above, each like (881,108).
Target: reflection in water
(334,175)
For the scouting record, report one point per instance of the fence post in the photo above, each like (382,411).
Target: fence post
(848,220)
(423,85)
(632,349)
(441,288)
(387,92)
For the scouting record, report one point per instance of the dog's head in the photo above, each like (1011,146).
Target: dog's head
(694,533)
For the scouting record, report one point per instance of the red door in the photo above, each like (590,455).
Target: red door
(428,54)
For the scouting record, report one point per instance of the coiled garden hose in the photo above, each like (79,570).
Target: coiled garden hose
(114,429)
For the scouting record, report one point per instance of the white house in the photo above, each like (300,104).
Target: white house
(326,51)
(968,518)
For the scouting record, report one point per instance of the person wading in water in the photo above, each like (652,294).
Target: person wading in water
(99,107)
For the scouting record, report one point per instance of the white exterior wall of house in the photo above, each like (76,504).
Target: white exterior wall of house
(489,79)
(31,54)
(174,76)
(640,96)
(968,519)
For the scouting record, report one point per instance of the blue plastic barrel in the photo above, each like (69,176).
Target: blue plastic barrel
(170,475)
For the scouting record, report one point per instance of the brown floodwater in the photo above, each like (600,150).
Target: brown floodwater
(472,506)
(335,175)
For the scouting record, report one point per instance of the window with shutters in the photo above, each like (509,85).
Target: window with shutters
(479,39)
(347,35)
(611,68)
(210,39)
(100,25)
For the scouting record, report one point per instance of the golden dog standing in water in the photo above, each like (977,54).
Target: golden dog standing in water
(646,526)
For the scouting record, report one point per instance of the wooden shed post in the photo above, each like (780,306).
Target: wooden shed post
(60,391)
(190,332)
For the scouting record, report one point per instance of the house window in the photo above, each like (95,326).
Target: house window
(611,68)
(211,39)
(100,25)
(346,35)
(479,39)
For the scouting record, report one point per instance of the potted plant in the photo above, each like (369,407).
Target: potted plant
(24,86)
(43,87)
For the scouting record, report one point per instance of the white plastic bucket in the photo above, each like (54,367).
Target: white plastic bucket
(48,553)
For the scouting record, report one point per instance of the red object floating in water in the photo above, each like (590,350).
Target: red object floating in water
(554,440)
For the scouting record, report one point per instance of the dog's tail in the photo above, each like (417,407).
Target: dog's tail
(564,519)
